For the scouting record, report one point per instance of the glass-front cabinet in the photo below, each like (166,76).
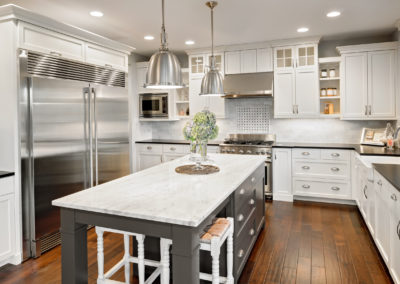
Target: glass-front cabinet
(199,64)
(284,57)
(306,56)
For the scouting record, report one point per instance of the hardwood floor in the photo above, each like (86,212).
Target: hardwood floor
(301,243)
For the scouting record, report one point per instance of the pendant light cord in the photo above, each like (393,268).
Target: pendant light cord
(212,31)
(163,33)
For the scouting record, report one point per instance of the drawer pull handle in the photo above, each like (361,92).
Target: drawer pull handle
(251,202)
(365,194)
(108,65)
(241,253)
(149,147)
(335,169)
(393,197)
(335,188)
(306,186)
(305,167)
(253,179)
(379,182)
(306,153)
(251,233)
(55,53)
(242,191)
(172,148)
(335,155)
(398,229)
(240,218)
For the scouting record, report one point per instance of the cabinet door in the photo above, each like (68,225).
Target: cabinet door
(248,61)
(141,78)
(196,103)
(395,245)
(39,39)
(284,58)
(284,94)
(381,84)
(307,98)
(282,174)
(371,203)
(353,86)
(7,225)
(149,160)
(382,218)
(232,62)
(197,65)
(264,60)
(99,55)
(306,56)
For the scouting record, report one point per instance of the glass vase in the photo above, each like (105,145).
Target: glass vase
(198,152)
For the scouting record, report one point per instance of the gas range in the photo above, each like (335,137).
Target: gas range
(248,144)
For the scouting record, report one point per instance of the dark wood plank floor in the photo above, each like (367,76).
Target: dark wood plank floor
(301,243)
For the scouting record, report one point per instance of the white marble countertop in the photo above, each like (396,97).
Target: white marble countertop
(160,194)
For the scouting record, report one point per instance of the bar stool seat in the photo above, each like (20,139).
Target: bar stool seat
(162,266)
(212,240)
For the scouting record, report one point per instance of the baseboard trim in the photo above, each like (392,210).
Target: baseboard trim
(325,200)
(12,259)
(282,197)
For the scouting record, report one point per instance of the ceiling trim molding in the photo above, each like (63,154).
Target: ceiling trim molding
(367,47)
(255,45)
(12,12)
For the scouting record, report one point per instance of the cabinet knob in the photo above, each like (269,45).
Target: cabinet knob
(241,253)
(335,169)
(393,197)
(398,229)
(306,186)
(251,202)
(335,188)
(335,155)
(240,218)
(306,153)
(305,167)
(172,148)
(242,191)
(379,182)
(252,231)
(253,179)
(149,147)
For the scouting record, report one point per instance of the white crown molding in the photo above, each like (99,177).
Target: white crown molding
(255,45)
(367,47)
(12,12)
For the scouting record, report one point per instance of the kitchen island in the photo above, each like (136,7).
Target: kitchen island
(158,202)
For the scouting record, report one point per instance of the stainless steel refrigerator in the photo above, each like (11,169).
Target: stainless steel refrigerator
(74,126)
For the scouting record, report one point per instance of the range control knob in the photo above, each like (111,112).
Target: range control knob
(262,152)
(248,152)
(233,151)
(222,150)
(241,151)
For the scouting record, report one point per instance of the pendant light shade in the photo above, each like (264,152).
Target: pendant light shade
(212,83)
(164,70)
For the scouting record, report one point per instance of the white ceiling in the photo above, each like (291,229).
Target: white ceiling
(236,21)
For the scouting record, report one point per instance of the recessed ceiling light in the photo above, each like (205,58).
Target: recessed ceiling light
(149,37)
(189,42)
(333,14)
(97,14)
(302,30)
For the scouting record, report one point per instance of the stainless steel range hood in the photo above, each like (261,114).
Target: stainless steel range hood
(249,85)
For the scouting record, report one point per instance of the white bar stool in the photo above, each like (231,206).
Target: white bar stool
(221,230)
(162,266)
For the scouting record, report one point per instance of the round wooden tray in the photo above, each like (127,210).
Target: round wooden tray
(194,170)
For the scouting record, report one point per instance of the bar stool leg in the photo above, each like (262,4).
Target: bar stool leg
(229,248)
(126,259)
(140,240)
(164,247)
(215,251)
(100,256)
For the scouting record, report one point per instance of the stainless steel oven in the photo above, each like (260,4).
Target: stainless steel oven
(153,105)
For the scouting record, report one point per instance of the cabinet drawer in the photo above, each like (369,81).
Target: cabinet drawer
(150,148)
(321,170)
(244,242)
(304,153)
(325,189)
(106,57)
(6,185)
(243,213)
(338,155)
(173,148)
(247,188)
(42,40)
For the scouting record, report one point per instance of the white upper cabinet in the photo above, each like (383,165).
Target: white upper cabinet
(106,57)
(232,62)
(368,81)
(42,40)
(296,81)
(219,62)
(141,72)
(264,60)
(197,64)
(248,61)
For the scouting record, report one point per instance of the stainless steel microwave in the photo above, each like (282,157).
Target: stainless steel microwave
(153,105)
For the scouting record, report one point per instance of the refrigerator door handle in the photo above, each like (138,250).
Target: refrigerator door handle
(95,138)
(88,123)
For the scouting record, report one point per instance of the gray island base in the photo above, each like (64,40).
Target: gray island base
(158,202)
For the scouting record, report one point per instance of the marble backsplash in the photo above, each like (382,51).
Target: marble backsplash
(287,130)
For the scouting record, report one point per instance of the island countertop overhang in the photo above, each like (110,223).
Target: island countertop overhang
(160,194)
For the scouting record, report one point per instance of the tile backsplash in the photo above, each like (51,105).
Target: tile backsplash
(256,116)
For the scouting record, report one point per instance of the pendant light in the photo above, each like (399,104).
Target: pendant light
(164,70)
(212,85)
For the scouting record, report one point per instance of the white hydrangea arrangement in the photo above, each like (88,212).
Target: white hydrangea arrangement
(203,127)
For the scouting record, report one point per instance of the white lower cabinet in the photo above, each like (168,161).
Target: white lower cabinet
(394,257)
(282,174)
(7,221)
(382,217)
